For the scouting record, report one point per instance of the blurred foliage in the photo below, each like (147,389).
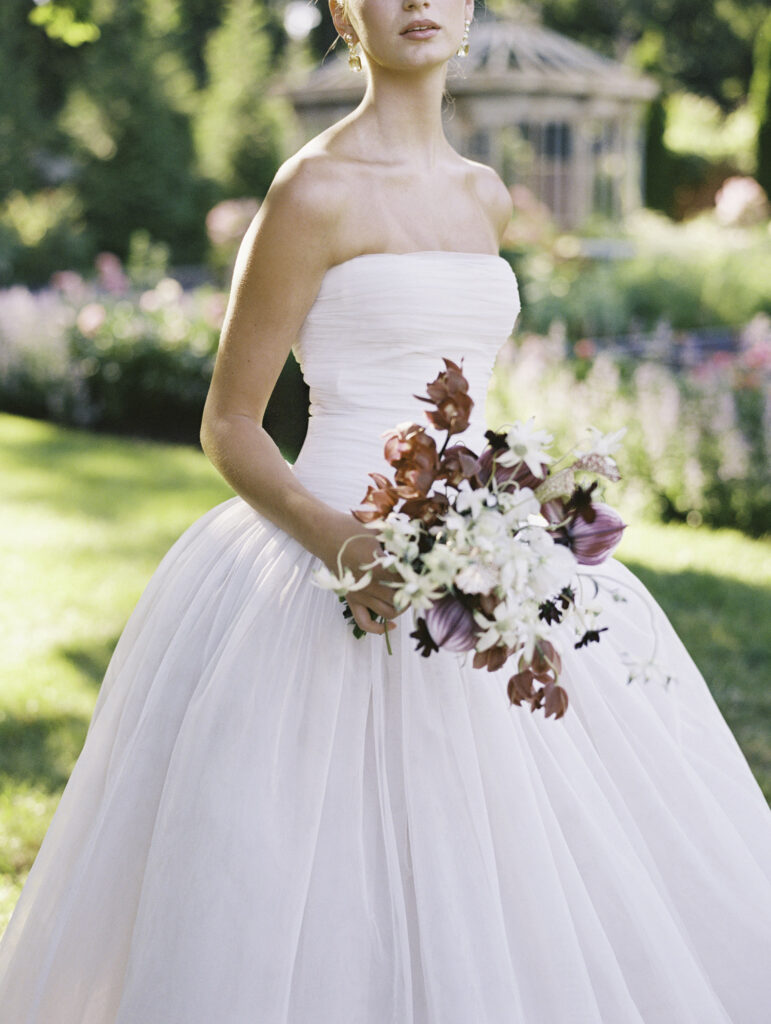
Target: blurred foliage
(694,275)
(41,232)
(704,46)
(698,442)
(760,99)
(126,355)
(147,112)
(696,124)
(238,131)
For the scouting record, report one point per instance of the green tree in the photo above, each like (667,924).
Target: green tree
(24,131)
(707,44)
(238,128)
(658,159)
(130,131)
(760,97)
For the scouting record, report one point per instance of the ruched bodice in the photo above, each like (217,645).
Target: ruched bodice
(376,333)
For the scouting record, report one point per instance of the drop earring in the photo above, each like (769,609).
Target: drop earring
(462,50)
(354,60)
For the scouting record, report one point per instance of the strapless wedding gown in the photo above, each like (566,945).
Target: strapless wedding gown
(272,822)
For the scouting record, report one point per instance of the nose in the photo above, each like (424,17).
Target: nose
(413,5)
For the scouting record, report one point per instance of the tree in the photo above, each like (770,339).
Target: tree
(132,138)
(706,44)
(760,97)
(239,128)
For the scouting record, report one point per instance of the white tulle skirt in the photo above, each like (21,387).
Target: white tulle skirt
(273,822)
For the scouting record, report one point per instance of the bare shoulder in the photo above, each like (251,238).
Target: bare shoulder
(301,210)
(492,195)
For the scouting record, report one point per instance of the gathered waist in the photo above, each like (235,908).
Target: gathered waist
(340,452)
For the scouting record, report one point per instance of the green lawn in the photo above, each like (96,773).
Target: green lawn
(84,521)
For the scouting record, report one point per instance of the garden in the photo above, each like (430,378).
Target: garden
(119,223)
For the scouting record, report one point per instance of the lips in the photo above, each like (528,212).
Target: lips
(419,26)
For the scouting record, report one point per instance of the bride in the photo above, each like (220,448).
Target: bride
(272,822)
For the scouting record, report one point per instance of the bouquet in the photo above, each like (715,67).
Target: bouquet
(485,548)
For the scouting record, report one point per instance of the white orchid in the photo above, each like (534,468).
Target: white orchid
(442,563)
(526,445)
(476,578)
(325,579)
(604,444)
(474,501)
(518,506)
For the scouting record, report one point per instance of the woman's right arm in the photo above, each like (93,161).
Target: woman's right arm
(278,272)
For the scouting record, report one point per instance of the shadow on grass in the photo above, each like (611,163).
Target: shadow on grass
(41,750)
(90,660)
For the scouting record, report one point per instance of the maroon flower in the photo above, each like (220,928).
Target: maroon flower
(452,414)
(451,625)
(412,453)
(428,510)
(521,688)
(492,659)
(378,501)
(545,661)
(449,393)
(458,463)
(592,540)
(555,700)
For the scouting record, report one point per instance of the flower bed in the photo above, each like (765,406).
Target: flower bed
(111,357)
(698,443)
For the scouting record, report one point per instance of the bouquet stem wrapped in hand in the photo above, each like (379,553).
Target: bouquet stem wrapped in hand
(485,548)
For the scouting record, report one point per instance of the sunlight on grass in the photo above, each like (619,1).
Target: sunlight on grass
(84,521)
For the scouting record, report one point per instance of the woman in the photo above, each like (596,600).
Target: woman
(274,822)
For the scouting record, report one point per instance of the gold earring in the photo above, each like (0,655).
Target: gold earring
(462,50)
(354,60)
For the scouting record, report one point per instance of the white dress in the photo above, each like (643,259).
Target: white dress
(272,822)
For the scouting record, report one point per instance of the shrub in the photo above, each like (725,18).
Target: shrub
(41,232)
(127,362)
(698,274)
(698,443)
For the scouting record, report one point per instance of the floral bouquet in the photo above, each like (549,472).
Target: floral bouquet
(485,548)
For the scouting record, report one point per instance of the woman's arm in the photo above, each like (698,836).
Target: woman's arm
(278,272)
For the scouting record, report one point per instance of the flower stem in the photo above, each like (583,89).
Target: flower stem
(387,638)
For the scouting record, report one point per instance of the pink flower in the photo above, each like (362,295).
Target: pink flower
(91,318)
(585,348)
(111,275)
(592,542)
(451,625)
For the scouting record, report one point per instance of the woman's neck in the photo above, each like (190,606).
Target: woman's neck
(403,113)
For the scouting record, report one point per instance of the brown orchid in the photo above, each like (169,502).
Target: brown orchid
(544,667)
(428,510)
(449,393)
(457,464)
(379,500)
(492,659)
(412,452)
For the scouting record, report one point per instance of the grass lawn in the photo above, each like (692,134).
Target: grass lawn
(84,520)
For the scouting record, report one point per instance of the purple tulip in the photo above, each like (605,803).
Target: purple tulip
(591,543)
(451,625)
